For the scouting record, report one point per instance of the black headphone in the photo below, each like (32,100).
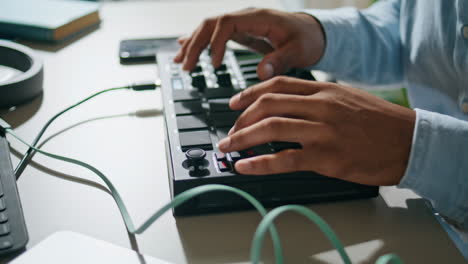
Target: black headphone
(25,86)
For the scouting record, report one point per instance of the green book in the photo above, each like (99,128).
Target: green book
(47,20)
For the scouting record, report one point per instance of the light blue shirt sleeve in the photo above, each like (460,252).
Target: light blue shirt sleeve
(438,166)
(382,45)
(362,46)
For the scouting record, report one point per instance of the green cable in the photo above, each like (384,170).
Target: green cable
(30,152)
(267,221)
(179,199)
(389,258)
(259,236)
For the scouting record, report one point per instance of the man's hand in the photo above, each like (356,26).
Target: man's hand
(345,133)
(289,40)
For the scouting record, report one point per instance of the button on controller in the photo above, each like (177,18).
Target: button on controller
(196,162)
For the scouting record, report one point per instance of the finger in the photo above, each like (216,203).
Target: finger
(183,50)
(270,105)
(285,161)
(181,40)
(257,44)
(199,42)
(252,22)
(279,84)
(267,130)
(276,62)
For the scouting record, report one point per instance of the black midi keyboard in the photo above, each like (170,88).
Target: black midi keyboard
(197,116)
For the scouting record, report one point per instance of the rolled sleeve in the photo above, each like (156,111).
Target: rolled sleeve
(438,165)
(362,45)
(335,24)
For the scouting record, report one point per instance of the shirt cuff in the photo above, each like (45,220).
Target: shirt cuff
(336,23)
(437,168)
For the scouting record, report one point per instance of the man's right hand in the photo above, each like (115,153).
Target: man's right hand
(288,40)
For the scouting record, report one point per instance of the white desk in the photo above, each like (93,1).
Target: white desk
(130,151)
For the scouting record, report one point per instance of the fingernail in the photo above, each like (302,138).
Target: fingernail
(177,57)
(268,71)
(224,143)
(231,131)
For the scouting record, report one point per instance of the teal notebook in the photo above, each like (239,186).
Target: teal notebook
(47,20)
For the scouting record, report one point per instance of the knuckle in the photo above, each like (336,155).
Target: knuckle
(225,19)
(237,139)
(263,11)
(266,99)
(247,93)
(273,124)
(279,81)
(320,101)
(208,22)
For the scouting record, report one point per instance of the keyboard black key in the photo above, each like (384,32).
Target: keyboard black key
(221,68)
(222,132)
(3,217)
(197,69)
(224,119)
(257,150)
(219,105)
(4,229)
(251,77)
(6,242)
(185,95)
(249,62)
(188,107)
(191,122)
(222,92)
(200,139)
(199,82)
(279,146)
(251,82)
(249,69)
(234,156)
(224,80)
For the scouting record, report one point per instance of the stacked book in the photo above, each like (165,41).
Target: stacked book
(47,20)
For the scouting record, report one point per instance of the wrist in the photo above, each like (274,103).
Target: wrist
(314,34)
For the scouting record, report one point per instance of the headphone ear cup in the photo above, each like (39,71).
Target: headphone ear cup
(25,86)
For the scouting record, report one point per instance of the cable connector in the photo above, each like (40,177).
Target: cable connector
(144,86)
(3,126)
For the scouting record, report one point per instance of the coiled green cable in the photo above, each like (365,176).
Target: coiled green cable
(267,221)
(179,199)
(259,236)
(265,224)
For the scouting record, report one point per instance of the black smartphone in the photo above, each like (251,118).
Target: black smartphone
(144,50)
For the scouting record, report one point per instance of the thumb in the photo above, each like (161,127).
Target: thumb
(275,63)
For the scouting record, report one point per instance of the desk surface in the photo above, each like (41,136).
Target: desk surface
(130,150)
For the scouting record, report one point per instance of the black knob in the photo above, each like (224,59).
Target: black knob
(195,154)
(195,159)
